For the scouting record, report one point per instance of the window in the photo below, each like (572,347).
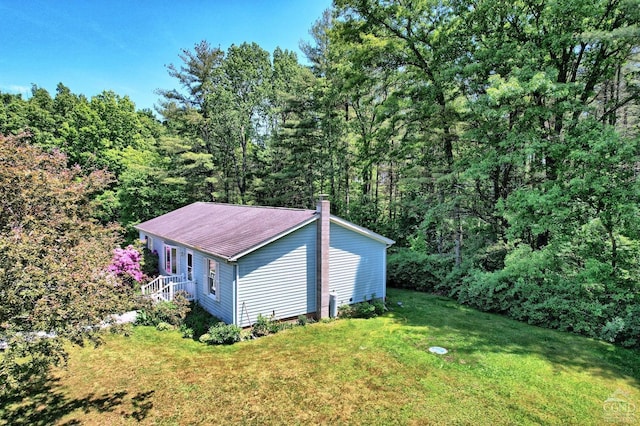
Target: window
(212,279)
(149,243)
(189,266)
(171,260)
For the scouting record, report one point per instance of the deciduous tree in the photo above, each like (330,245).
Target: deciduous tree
(53,268)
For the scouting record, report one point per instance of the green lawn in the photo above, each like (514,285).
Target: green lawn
(376,371)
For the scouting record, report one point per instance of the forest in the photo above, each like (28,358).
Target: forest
(497,142)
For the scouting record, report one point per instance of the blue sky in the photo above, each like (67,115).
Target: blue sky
(96,45)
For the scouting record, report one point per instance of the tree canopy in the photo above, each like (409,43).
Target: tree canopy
(53,268)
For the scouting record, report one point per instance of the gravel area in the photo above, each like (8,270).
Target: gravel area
(127,317)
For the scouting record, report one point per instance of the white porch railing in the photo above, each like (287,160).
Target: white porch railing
(165,287)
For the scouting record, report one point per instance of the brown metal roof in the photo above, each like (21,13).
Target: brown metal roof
(226,230)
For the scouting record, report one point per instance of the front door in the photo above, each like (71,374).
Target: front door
(171,260)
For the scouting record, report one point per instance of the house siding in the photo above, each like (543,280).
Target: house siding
(222,307)
(156,242)
(279,279)
(356,266)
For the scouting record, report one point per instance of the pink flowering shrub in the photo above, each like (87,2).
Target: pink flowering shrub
(125,264)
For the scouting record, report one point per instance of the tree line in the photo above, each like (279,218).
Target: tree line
(497,142)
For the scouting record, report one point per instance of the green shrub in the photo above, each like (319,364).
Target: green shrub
(222,334)
(276,326)
(265,326)
(546,288)
(575,282)
(364,310)
(630,336)
(304,320)
(611,329)
(198,320)
(187,332)
(379,307)
(153,313)
(245,334)
(416,270)
(369,309)
(260,327)
(149,263)
(345,311)
(164,326)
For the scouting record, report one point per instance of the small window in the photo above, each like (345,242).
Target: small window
(212,278)
(149,243)
(189,266)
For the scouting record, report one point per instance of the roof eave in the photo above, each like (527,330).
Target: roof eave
(188,246)
(362,231)
(335,219)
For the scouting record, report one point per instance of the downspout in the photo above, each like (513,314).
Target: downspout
(234,314)
(384,274)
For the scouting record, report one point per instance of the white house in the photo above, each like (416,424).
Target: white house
(242,261)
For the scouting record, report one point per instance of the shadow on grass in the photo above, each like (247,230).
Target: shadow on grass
(46,404)
(467,333)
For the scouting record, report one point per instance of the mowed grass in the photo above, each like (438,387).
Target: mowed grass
(369,372)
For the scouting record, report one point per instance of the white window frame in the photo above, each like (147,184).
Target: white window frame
(150,243)
(212,282)
(171,260)
(189,265)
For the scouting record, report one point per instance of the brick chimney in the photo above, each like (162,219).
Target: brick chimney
(322,258)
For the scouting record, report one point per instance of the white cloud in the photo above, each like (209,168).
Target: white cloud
(14,88)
